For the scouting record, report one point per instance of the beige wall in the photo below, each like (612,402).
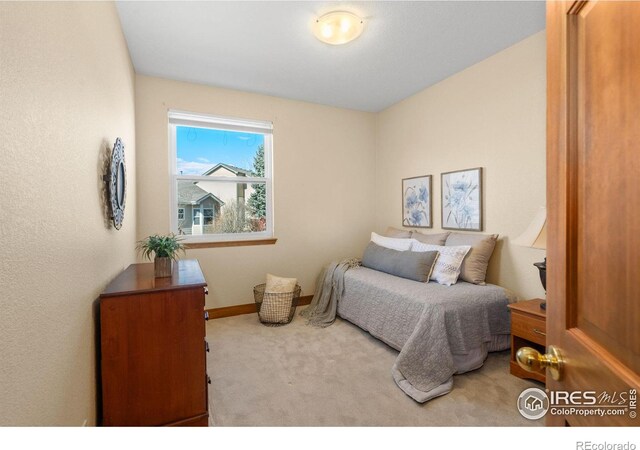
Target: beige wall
(323,180)
(66,93)
(491,115)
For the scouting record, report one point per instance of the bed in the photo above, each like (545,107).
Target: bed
(438,330)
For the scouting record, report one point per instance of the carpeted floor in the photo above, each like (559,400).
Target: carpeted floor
(298,375)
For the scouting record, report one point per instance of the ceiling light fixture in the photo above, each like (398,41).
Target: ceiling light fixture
(338,27)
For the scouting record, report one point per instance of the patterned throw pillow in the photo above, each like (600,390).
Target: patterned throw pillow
(276,302)
(447,268)
(399,244)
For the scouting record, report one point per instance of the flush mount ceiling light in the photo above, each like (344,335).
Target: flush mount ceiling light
(338,27)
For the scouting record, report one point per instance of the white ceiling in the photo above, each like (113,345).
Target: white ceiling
(268,47)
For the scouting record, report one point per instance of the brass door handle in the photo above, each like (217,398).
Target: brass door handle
(532,360)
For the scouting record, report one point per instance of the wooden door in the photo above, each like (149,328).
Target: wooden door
(593,196)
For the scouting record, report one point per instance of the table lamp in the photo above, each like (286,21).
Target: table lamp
(535,236)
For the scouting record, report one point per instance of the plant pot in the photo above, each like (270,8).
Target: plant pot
(163,267)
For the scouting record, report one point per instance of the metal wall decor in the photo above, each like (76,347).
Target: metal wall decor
(116,181)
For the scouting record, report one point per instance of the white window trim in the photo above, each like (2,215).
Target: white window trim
(196,213)
(182,118)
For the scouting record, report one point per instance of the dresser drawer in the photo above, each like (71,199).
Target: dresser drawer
(152,348)
(528,327)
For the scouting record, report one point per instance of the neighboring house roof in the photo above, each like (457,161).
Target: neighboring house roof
(239,171)
(190,193)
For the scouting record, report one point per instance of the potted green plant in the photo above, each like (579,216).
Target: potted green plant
(165,249)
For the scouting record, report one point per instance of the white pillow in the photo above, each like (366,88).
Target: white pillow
(400,244)
(279,284)
(447,268)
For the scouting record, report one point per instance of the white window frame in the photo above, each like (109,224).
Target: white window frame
(196,214)
(183,118)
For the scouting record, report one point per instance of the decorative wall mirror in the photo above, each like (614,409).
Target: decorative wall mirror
(116,180)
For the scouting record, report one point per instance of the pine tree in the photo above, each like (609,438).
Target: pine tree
(258,199)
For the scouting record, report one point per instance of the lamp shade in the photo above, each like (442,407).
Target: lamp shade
(535,236)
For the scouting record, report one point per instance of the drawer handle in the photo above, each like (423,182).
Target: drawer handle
(206,291)
(206,346)
(208,379)
(541,333)
(206,315)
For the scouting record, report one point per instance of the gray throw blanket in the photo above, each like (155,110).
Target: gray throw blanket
(329,289)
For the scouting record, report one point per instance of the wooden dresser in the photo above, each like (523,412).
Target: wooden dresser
(528,329)
(153,346)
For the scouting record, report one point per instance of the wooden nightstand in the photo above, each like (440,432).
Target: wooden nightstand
(528,329)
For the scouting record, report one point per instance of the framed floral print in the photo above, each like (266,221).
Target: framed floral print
(462,200)
(416,202)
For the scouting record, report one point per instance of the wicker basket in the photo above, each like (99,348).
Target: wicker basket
(276,309)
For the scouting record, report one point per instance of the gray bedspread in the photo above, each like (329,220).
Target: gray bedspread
(427,322)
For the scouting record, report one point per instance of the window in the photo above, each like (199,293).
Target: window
(221,171)
(207,214)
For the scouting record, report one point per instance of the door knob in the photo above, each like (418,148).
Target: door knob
(532,360)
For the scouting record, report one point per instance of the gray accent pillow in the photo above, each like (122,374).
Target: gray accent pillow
(415,266)
(397,233)
(474,266)
(433,238)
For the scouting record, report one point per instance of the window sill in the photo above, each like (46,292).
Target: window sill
(243,243)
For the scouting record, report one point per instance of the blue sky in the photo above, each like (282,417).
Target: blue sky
(199,149)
